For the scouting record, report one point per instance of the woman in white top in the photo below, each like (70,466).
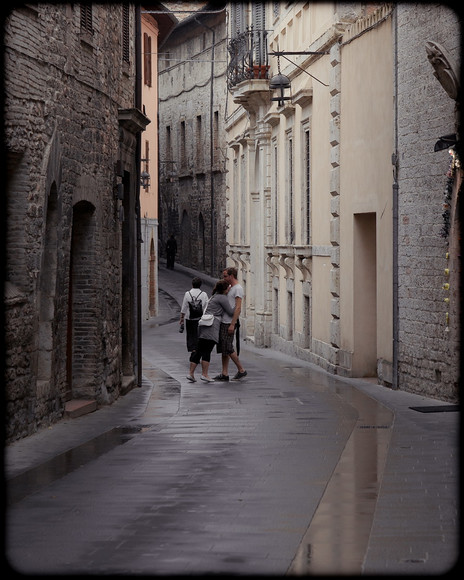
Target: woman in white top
(208,336)
(191,324)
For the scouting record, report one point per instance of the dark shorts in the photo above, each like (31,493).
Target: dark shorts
(203,351)
(191,327)
(226,340)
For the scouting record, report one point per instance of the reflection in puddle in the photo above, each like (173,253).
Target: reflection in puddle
(34,479)
(337,538)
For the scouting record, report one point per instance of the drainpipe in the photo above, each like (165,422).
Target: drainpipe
(211,144)
(395,163)
(138,151)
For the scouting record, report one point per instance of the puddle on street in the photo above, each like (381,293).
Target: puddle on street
(337,537)
(34,479)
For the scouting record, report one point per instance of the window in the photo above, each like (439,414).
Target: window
(86,18)
(276,9)
(125,34)
(307,175)
(237,18)
(276,196)
(168,144)
(183,155)
(216,157)
(291,225)
(199,143)
(147,59)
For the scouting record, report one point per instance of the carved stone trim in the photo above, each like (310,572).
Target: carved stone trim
(444,68)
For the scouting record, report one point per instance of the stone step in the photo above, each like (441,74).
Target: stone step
(77,407)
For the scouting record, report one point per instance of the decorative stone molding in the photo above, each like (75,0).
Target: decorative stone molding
(251,94)
(303,97)
(444,68)
(272,118)
(272,260)
(133,120)
(287,261)
(303,261)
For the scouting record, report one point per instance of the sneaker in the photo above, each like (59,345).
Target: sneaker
(239,375)
(221,377)
(191,379)
(206,379)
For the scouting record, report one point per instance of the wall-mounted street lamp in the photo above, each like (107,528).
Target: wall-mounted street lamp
(145,176)
(281,82)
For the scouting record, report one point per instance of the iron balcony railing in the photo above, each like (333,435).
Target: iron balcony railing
(248,57)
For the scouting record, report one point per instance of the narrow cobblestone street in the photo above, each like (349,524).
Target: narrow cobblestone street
(288,471)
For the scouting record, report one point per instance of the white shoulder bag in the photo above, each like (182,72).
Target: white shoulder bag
(206,319)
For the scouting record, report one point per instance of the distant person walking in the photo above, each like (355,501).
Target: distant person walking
(193,306)
(208,336)
(171,251)
(229,325)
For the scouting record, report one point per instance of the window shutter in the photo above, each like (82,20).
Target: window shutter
(86,18)
(125,33)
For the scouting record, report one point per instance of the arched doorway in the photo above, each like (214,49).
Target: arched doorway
(82,335)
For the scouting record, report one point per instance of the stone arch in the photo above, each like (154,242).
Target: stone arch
(83,304)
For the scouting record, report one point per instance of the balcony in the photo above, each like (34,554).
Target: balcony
(248,58)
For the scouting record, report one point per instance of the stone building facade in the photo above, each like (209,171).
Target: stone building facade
(157,22)
(311,230)
(192,100)
(72,138)
(428,328)
(334,188)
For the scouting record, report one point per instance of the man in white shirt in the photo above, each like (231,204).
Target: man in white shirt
(191,324)
(228,325)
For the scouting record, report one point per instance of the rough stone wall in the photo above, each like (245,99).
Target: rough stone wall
(428,352)
(63,89)
(192,189)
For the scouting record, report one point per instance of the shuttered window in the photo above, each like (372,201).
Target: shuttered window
(237,18)
(125,34)
(86,18)
(147,59)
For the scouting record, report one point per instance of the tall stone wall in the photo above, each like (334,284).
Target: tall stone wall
(192,142)
(428,348)
(63,89)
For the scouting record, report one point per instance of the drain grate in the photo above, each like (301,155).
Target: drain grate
(436,408)
(374,427)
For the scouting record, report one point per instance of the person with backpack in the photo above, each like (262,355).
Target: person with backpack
(193,306)
(208,331)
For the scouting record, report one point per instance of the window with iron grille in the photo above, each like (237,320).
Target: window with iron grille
(125,34)
(276,196)
(307,171)
(86,18)
(291,230)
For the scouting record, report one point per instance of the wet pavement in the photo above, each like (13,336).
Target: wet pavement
(288,471)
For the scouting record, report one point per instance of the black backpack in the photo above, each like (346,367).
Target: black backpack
(195,307)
